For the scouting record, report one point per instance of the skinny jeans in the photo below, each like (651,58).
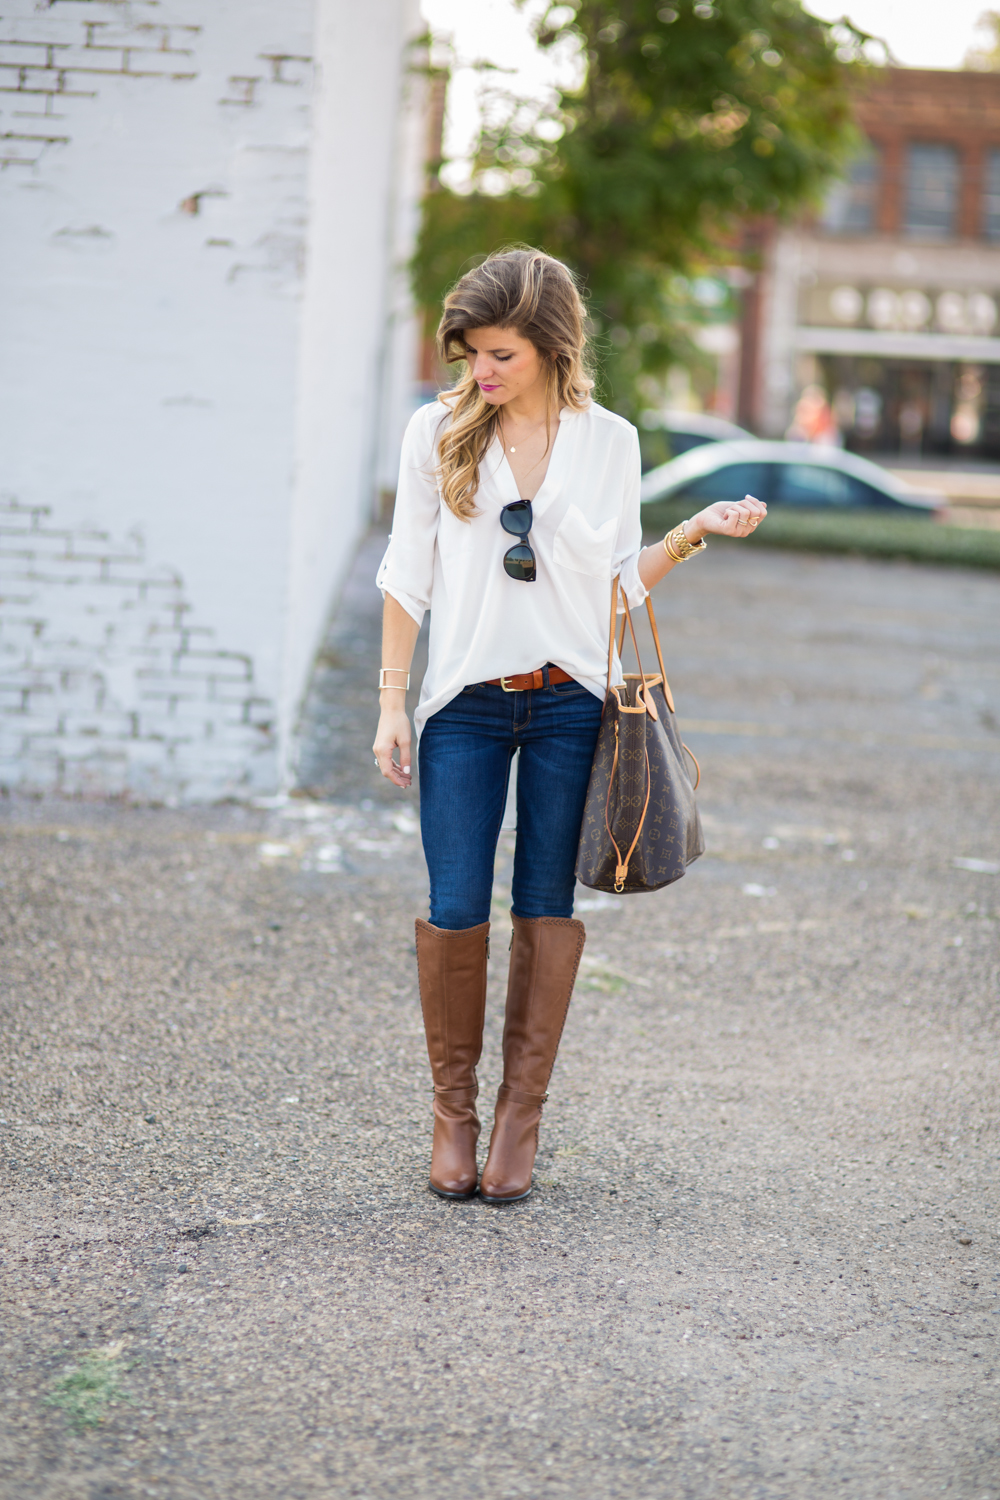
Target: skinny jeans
(465,756)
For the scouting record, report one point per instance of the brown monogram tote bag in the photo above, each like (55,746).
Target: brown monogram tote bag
(640,827)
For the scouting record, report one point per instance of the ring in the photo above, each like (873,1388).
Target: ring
(376,762)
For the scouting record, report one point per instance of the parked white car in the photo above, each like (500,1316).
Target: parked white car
(671,433)
(792,474)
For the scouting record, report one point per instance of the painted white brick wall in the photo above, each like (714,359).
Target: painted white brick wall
(201,201)
(108,682)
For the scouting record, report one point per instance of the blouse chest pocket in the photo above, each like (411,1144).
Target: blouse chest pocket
(581,548)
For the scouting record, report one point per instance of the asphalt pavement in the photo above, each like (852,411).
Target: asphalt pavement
(761,1259)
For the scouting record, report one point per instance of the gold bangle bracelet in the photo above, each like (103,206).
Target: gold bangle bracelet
(383,685)
(678,548)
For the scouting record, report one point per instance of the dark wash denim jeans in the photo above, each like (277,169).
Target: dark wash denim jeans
(465,755)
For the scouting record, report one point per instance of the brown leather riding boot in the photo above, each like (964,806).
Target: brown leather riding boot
(545,954)
(451,967)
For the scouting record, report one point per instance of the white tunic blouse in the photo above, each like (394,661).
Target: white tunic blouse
(585,530)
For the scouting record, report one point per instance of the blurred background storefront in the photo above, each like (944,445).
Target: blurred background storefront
(885,307)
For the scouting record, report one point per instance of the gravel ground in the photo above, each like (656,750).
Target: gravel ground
(762,1257)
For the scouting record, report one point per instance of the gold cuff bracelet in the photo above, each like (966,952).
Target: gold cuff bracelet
(678,548)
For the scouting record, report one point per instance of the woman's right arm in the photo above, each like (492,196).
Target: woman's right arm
(399,636)
(406,578)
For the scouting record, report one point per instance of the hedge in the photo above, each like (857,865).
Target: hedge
(868,534)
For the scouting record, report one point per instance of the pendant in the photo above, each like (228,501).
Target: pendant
(513,450)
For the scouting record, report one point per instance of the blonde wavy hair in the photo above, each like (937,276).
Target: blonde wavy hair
(536,296)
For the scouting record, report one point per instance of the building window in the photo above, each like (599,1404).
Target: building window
(931,192)
(850,203)
(991,196)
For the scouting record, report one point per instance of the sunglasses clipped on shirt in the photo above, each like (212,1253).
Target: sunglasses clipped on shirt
(519,561)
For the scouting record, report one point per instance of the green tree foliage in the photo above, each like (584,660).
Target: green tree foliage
(692,119)
(985,58)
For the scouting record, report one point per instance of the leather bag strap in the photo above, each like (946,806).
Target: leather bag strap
(621,871)
(697,764)
(635,643)
(659,654)
(611,632)
(621,868)
(627,620)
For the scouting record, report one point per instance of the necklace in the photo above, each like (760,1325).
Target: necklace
(512,448)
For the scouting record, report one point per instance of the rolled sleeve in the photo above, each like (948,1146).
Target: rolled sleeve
(407,568)
(628,543)
(415,608)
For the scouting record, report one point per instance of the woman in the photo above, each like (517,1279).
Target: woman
(518,504)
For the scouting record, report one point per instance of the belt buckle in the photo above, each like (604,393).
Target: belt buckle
(503,684)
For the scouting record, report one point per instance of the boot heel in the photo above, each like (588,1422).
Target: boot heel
(452,1197)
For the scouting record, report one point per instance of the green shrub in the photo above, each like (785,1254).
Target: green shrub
(869,533)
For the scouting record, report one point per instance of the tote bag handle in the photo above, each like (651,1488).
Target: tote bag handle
(627,618)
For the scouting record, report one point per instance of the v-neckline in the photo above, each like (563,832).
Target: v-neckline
(510,483)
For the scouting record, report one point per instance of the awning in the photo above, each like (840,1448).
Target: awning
(969,348)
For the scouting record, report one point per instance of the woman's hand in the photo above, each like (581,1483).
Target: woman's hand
(726,518)
(399,635)
(393,732)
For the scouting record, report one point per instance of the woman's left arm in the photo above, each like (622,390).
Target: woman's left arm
(725,518)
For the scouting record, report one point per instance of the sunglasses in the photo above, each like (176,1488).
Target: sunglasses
(519,562)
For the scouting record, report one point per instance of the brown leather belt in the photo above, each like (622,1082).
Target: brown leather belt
(522,681)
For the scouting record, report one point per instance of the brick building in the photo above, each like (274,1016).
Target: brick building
(889,299)
(209,352)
